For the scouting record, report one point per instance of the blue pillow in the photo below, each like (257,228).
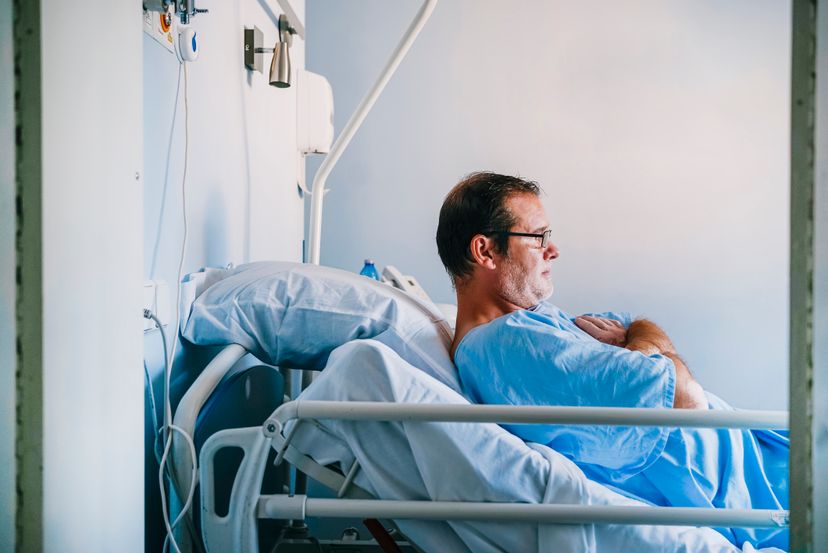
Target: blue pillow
(293,315)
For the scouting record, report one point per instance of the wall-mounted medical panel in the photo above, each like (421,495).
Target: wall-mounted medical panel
(161,27)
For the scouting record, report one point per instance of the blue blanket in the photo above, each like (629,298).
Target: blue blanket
(540,357)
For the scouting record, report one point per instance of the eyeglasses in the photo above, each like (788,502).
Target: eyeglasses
(544,236)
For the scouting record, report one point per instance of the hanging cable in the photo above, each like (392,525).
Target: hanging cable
(170,539)
(156,428)
(162,209)
(169,428)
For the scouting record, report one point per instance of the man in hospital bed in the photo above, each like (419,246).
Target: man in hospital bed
(511,346)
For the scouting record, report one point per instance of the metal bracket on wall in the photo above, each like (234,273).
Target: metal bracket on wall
(185,9)
(253,41)
(295,23)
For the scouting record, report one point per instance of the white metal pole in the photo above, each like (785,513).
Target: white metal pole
(293,19)
(447,412)
(342,141)
(285,507)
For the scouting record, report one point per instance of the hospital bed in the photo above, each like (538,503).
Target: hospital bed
(386,427)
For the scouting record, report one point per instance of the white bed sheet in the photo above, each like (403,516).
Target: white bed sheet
(466,462)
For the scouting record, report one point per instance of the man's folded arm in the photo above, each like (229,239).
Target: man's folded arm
(646,337)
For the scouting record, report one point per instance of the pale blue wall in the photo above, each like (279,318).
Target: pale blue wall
(241,180)
(659,130)
(242,200)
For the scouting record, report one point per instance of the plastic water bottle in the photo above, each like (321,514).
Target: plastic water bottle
(369,270)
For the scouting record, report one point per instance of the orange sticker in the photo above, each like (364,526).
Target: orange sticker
(164,25)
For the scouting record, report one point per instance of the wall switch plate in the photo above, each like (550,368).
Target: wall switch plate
(161,27)
(148,298)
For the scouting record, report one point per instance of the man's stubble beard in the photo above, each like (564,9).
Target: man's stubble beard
(515,288)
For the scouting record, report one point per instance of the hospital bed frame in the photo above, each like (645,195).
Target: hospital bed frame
(237,530)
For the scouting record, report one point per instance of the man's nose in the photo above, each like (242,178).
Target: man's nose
(552,251)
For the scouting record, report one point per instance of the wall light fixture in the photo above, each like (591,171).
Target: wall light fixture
(280,71)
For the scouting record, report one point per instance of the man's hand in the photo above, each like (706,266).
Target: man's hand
(608,331)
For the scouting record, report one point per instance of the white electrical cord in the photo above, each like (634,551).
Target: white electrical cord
(162,458)
(157,431)
(190,492)
(156,428)
(168,426)
(152,403)
(167,404)
(162,209)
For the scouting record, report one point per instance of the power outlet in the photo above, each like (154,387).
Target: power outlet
(161,27)
(157,300)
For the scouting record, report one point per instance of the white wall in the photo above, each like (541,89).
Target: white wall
(242,199)
(91,267)
(658,129)
(7,286)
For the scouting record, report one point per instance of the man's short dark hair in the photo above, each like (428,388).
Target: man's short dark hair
(477,205)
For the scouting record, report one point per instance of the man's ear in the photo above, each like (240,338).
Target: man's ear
(482,251)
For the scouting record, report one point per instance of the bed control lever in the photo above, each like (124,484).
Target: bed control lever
(348,479)
(381,535)
(276,435)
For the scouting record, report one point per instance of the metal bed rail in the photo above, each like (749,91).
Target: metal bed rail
(236,531)
(612,416)
(298,507)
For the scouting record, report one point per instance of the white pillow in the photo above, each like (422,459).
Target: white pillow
(294,315)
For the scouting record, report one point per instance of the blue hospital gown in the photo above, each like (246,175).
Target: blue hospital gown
(541,357)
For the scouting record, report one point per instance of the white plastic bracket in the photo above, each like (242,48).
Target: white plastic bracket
(283,507)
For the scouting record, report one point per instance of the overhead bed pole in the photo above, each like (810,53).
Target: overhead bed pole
(342,141)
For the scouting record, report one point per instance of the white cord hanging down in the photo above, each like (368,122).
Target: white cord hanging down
(162,209)
(155,426)
(168,426)
(162,458)
(190,491)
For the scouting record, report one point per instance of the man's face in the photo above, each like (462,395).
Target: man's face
(525,273)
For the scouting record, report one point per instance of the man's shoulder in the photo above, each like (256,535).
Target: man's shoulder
(515,323)
(547,309)
(517,318)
